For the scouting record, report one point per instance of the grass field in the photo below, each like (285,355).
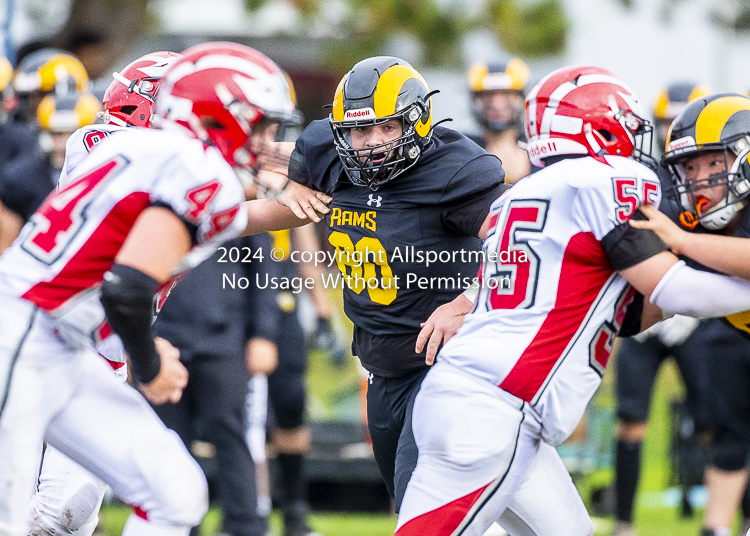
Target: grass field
(651,519)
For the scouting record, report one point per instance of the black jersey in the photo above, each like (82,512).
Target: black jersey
(385,240)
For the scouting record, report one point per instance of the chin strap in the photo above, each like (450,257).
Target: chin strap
(688,219)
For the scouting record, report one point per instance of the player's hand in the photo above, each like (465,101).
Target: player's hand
(665,228)
(172,377)
(304,202)
(441,326)
(261,355)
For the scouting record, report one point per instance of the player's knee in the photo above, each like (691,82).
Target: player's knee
(179,492)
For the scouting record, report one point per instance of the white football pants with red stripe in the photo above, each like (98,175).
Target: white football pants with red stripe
(68,497)
(70,398)
(481,460)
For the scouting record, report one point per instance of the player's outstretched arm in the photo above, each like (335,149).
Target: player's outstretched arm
(154,247)
(296,207)
(674,287)
(727,254)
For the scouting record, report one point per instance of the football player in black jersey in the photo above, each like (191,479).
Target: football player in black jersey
(707,153)
(687,340)
(404,191)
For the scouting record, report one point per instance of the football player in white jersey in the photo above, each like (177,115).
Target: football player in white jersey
(100,247)
(68,497)
(563,273)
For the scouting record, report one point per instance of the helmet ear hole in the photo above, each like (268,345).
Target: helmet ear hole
(607,135)
(209,122)
(128,110)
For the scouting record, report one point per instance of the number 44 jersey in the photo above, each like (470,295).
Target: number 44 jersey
(61,255)
(552,301)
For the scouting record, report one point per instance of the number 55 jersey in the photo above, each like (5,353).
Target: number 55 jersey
(61,255)
(551,301)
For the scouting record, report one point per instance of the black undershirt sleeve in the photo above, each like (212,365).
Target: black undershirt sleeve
(191,227)
(631,324)
(626,246)
(466,216)
(127,297)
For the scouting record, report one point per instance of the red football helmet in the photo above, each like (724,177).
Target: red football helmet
(223,93)
(129,99)
(585,110)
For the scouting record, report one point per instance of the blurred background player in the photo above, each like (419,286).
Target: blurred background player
(497,93)
(206,320)
(280,372)
(639,358)
(25,149)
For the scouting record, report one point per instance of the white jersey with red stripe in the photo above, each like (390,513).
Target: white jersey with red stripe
(60,258)
(80,144)
(544,334)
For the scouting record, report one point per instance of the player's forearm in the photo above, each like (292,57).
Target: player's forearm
(726,254)
(265,215)
(683,290)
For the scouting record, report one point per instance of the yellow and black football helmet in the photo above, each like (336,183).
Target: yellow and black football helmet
(67,113)
(50,69)
(670,101)
(715,123)
(508,77)
(42,72)
(375,91)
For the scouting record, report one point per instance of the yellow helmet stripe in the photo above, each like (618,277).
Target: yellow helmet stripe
(338,102)
(62,64)
(660,107)
(389,86)
(6,73)
(476,76)
(714,117)
(698,92)
(519,73)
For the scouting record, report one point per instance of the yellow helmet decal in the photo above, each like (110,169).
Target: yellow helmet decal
(292,93)
(6,73)
(513,77)
(660,107)
(714,117)
(86,109)
(338,101)
(519,73)
(45,111)
(698,92)
(477,72)
(67,120)
(59,66)
(388,89)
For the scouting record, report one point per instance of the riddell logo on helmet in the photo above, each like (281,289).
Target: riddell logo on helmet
(682,143)
(542,149)
(362,113)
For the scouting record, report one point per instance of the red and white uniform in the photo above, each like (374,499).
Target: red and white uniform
(59,259)
(80,144)
(55,387)
(528,359)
